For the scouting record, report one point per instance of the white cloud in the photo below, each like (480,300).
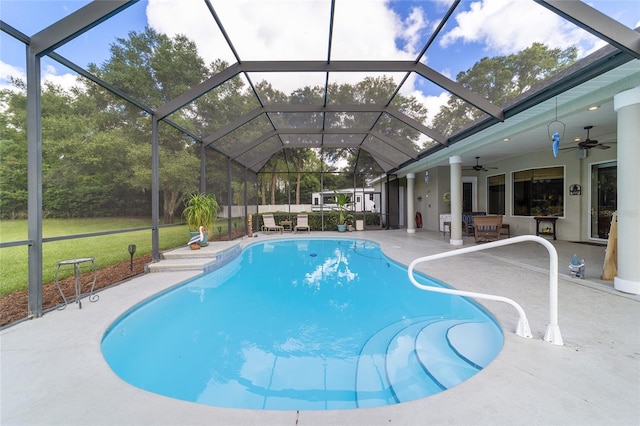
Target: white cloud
(48,74)
(506,27)
(415,23)
(363,30)
(263,30)
(193,19)
(292,30)
(6,72)
(433,104)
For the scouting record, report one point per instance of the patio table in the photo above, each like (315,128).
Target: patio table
(76,264)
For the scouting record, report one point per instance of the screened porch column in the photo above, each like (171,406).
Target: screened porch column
(411,225)
(455,164)
(627,105)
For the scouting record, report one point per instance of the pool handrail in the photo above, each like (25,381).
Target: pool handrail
(552,334)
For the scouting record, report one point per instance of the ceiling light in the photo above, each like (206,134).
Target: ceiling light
(577,139)
(506,139)
(593,108)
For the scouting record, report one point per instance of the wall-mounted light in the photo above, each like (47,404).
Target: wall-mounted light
(575,189)
(426,177)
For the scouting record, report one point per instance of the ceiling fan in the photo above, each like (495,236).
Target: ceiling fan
(589,143)
(479,167)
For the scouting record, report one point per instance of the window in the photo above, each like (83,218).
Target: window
(496,194)
(539,192)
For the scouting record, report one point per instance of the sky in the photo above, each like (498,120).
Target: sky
(298,30)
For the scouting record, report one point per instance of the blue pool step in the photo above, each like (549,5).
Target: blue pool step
(438,357)
(421,356)
(408,378)
(478,343)
(372,384)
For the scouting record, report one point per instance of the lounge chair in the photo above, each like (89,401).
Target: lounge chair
(269,224)
(302,223)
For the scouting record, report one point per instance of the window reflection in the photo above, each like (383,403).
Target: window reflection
(539,192)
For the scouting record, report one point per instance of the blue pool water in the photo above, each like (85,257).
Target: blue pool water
(313,324)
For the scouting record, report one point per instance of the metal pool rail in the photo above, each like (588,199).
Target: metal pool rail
(552,333)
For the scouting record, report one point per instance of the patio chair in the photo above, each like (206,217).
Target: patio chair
(467,218)
(269,224)
(487,228)
(302,223)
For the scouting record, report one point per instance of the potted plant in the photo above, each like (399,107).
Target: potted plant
(341,200)
(200,210)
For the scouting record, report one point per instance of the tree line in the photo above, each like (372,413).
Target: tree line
(96,146)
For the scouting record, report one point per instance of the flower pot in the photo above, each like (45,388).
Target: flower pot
(342,227)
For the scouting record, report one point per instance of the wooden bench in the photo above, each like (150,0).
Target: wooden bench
(505,227)
(487,228)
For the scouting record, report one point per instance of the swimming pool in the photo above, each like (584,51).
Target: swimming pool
(302,324)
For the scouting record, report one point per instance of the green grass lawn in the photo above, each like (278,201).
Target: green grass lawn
(106,250)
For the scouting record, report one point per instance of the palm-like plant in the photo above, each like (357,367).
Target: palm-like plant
(200,210)
(341,200)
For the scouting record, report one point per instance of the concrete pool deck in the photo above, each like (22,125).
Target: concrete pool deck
(53,373)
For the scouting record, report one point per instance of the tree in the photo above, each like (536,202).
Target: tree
(154,69)
(77,161)
(13,156)
(501,79)
(376,90)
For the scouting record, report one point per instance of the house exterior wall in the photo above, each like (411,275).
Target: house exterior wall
(574,225)
(428,197)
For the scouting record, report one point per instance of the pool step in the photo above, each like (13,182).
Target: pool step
(211,257)
(438,358)
(408,378)
(372,383)
(477,342)
(421,356)
(194,264)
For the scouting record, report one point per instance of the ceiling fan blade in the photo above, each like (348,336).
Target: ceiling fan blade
(588,143)
(601,146)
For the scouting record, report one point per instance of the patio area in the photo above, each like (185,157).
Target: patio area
(53,372)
